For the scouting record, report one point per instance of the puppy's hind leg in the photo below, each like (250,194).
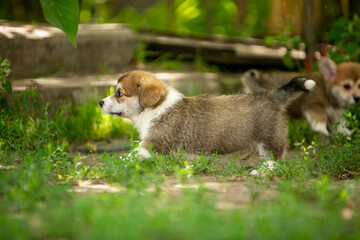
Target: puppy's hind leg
(270,150)
(268,156)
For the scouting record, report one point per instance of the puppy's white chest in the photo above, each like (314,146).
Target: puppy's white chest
(143,124)
(144,121)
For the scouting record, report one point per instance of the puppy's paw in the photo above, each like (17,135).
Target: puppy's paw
(138,153)
(142,153)
(266,168)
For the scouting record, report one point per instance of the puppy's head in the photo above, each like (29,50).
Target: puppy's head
(134,92)
(250,80)
(343,80)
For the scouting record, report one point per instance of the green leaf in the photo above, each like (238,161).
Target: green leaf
(63,14)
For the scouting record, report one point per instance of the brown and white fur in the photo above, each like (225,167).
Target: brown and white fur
(337,86)
(166,120)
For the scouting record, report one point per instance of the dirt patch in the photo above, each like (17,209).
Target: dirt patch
(231,194)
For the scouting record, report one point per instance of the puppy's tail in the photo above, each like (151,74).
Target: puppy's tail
(292,90)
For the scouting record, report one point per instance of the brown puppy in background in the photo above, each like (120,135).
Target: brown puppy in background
(337,86)
(166,120)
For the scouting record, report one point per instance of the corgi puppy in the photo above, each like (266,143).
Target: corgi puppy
(337,87)
(167,120)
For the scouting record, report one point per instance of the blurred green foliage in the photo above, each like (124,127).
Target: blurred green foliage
(228,17)
(345,34)
(290,42)
(183,16)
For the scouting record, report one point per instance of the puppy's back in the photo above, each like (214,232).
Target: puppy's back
(222,124)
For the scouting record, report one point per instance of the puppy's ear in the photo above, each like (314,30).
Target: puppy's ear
(328,69)
(151,92)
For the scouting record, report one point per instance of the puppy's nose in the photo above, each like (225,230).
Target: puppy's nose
(101,103)
(357,99)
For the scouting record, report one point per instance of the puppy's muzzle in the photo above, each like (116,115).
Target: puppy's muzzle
(101,103)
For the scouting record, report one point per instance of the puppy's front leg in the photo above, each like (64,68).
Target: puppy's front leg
(317,118)
(142,151)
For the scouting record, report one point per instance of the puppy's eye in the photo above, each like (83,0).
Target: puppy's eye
(120,94)
(347,86)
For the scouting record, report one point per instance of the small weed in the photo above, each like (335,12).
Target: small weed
(205,164)
(233,168)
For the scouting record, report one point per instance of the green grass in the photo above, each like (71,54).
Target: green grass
(36,203)
(303,198)
(37,198)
